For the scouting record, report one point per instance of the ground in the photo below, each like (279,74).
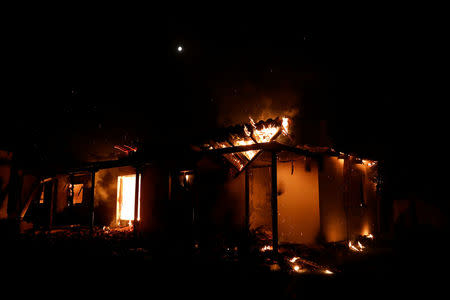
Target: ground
(84,265)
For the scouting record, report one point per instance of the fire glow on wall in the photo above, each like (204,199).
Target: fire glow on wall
(126,188)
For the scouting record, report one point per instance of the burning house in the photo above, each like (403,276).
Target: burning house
(250,177)
(296,194)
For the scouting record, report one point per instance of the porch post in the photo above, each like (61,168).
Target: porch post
(247,201)
(274,204)
(91,202)
(136,202)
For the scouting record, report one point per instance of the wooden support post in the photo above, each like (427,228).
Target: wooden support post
(52,202)
(274,204)
(13,190)
(136,203)
(346,194)
(91,202)
(247,201)
(35,189)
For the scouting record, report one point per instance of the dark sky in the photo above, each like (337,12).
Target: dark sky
(372,75)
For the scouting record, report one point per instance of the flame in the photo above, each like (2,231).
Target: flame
(231,157)
(327,272)
(266,248)
(126,188)
(369,236)
(358,248)
(265,134)
(294,259)
(247,132)
(299,269)
(369,163)
(249,154)
(351,247)
(285,125)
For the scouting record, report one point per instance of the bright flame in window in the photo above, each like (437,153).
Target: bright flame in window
(126,188)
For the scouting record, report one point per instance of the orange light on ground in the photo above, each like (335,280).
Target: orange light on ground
(126,188)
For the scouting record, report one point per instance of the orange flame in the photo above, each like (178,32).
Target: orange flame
(249,154)
(261,133)
(266,248)
(285,125)
(358,248)
(294,259)
(265,134)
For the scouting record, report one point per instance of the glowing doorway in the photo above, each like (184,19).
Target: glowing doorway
(126,188)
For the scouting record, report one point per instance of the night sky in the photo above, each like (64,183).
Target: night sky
(372,76)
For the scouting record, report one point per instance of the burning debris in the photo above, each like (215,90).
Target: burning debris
(369,236)
(357,246)
(249,134)
(296,263)
(301,265)
(78,232)
(125,148)
(266,248)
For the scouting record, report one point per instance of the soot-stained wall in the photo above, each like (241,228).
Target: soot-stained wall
(154,199)
(361,202)
(260,185)
(230,205)
(348,199)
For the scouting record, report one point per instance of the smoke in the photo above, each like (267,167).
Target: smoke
(236,105)
(106,187)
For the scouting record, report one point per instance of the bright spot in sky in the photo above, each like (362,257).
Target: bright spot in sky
(180,48)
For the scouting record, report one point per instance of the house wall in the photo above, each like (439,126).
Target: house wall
(348,207)
(25,185)
(61,193)
(4,180)
(333,219)
(5,171)
(29,190)
(298,201)
(230,203)
(220,198)
(362,202)
(260,185)
(371,216)
(154,199)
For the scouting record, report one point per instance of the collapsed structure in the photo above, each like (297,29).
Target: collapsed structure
(249,177)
